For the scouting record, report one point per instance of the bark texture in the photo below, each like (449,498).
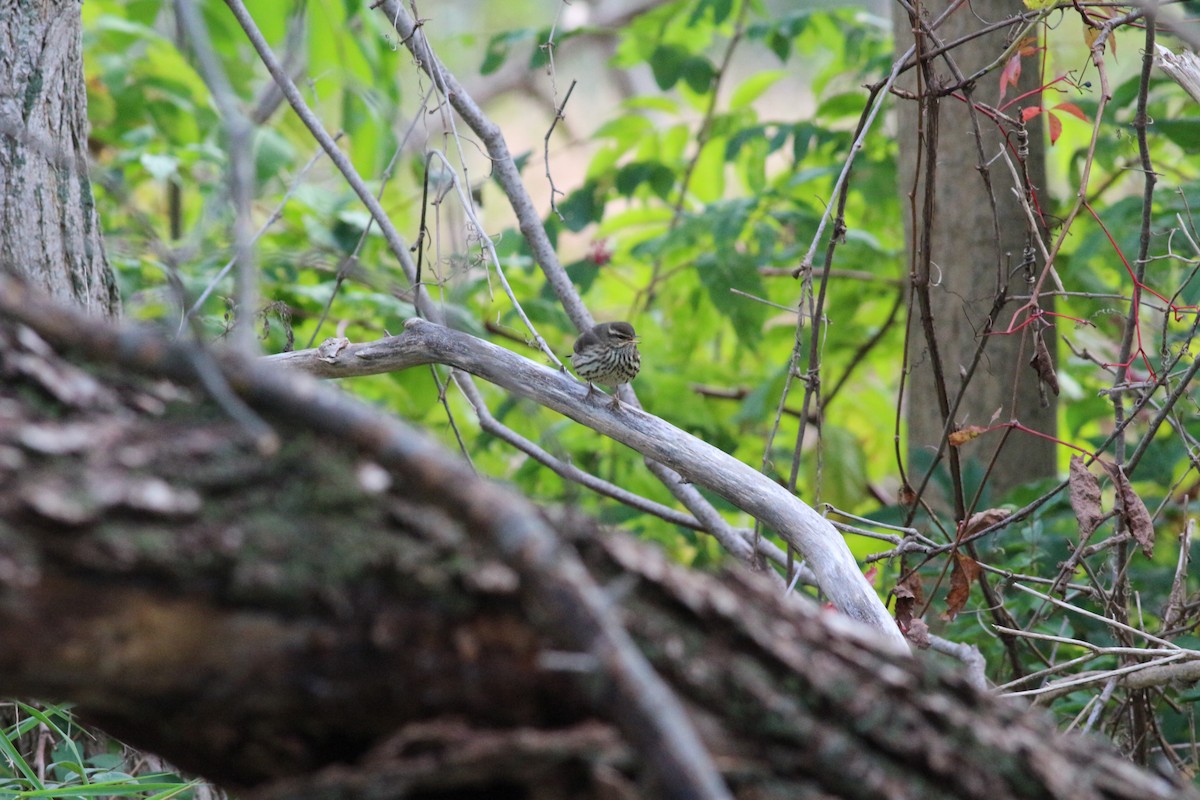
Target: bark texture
(310,623)
(971,251)
(49,227)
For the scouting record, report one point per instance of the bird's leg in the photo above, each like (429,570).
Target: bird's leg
(591,391)
(615,405)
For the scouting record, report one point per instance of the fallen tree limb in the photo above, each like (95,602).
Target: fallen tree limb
(357,615)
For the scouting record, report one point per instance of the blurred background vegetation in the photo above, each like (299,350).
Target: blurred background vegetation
(698,150)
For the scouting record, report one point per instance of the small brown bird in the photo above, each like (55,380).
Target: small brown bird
(607,354)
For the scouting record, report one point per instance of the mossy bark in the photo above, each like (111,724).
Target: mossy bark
(305,623)
(49,227)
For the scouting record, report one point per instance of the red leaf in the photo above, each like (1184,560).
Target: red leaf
(1055,131)
(1085,498)
(1072,109)
(1010,74)
(1029,112)
(1029,46)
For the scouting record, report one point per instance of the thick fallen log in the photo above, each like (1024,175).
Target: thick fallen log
(283,591)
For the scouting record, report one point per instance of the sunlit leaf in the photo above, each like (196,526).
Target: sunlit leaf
(753,87)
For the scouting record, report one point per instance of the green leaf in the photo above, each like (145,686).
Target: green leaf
(708,178)
(663,105)
(273,153)
(582,273)
(740,138)
(626,130)
(499,47)
(846,104)
(720,11)
(666,62)
(753,87)
(540,57)
(660,178)
(762,400)
(699,74)
(144,11)
(753,165)
(1126,92)
(843,470)
(582,207)
(780,45)
(160,167)
(1183,132)
(728,220)
(719,273)
(803,134)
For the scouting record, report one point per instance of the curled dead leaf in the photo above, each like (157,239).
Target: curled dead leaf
(1043,364)
(966,570)
(917,634)
(983,519)
(1133,511)
(963,435)
(908,595)
(1084,491)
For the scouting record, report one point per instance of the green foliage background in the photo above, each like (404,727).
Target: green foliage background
(690,191)
(756,185)
(712,181)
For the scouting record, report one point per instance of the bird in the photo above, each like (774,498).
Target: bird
(607,354)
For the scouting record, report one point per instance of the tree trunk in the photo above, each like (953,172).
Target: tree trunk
(968,254)
(350,616)
(49,228)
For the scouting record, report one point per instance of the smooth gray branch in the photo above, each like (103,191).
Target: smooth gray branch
(697,461)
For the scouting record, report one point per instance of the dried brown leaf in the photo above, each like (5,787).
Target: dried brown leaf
(964,435)
(917,634)
(1085,498)
(911,587)
(966,570)
(1177,597)
(984,519)
(1133,510)
(1043,364)
(908,596)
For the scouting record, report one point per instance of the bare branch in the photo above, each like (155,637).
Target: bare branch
(698,462)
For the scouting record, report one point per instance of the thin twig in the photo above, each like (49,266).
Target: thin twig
(554,192)
(241,171)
